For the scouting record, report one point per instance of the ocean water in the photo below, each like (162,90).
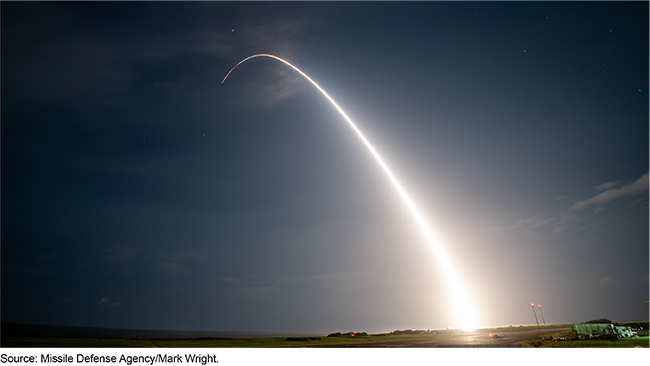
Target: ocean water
(39,330)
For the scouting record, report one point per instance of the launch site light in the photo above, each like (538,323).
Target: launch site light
(543,320)
(532,306)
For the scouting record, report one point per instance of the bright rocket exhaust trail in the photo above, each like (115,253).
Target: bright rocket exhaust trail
(465,312)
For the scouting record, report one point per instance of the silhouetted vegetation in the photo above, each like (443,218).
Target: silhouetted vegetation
(635,324)
(535,341)
(408,331)
(599,321)
(348,334)
(302,339)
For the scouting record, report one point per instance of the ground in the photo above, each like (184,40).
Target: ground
(511,336)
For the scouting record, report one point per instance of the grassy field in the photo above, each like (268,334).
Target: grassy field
(621,343)
(517,334)
(38,342)
(35,342)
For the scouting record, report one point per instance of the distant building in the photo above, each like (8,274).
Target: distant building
(602,331)
(624,331)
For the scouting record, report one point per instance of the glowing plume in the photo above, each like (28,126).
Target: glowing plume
(465,312)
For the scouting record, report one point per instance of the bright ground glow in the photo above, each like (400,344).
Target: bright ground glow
(465,313)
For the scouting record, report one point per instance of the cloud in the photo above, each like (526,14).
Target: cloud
(283,87)
(576,214)
(264,289)
(255,293)
(176,263)
(229,279)
(528,224)
(121,253)
(17,269)
(605,186)
(106,301)
(567,220)
(62,300)
(98,70)
(608,282)
(46,257)
(639,186)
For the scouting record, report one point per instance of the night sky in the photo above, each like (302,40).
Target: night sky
(139,192)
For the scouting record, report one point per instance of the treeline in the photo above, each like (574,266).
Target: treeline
(599,321)
(395,332)
(302,339)
(365,334)
(633,324)
(409,331)
(348,334)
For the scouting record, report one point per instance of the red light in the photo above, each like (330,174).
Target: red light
(539,306)
(491,334)
(352,335)
(531,304)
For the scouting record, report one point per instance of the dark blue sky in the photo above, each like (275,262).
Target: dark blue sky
(139,192)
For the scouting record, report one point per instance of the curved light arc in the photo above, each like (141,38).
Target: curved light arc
(465,312)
